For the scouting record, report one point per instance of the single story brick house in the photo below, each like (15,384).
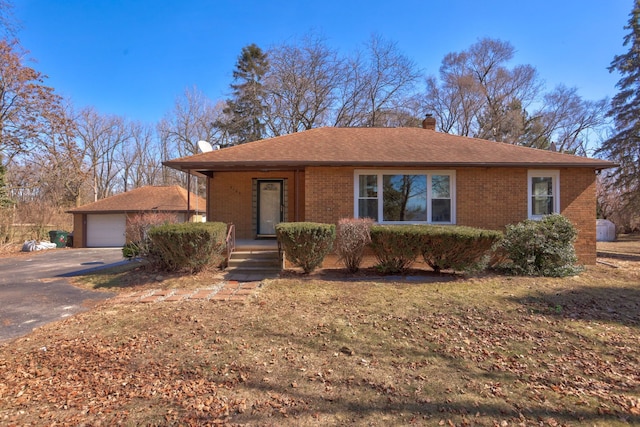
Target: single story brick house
(395,176)
(103,223)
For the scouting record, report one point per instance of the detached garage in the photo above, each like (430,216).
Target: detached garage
(104,223)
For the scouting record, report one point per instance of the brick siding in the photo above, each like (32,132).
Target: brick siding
(230,198)
(329,194)
(485,197)
(578,203)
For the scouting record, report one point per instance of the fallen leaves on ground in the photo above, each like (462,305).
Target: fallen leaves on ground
(486,351)
(94,378)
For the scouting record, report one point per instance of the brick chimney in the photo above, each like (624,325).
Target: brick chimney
(429,122)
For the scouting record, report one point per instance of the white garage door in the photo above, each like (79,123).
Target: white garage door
(105,230)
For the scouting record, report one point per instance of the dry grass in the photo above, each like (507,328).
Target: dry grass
(627,247)
(327,351)
(138,276)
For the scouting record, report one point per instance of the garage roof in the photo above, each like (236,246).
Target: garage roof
(146,199)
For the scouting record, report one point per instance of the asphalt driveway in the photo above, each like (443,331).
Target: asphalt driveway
(34,287)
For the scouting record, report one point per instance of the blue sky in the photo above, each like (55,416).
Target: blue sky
(135,57)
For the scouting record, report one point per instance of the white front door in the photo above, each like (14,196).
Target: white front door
(269,206)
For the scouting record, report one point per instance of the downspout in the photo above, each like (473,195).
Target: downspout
(296,211)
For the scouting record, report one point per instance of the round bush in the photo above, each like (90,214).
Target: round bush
(541,248)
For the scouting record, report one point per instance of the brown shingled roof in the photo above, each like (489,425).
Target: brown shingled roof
(169,198)
(364,147)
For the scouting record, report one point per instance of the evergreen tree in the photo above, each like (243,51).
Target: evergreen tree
(244,121)
(5,200)
(623,146)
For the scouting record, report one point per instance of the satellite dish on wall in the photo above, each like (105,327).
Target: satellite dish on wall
(204,146)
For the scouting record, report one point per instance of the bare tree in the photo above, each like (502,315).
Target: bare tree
(25,102)
(454,104)
(49,178)
(566,120)
(478,95)
(488,99)
(505,92)
(139,159)
(8,25)
(301,85)
(389,81)
(310,85)
(193,118)
(350,105)
(101,137)
(65,175)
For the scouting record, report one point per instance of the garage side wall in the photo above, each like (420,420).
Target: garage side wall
(79,228)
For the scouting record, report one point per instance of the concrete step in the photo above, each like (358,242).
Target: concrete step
(240,255)
(250,276)
(255,261)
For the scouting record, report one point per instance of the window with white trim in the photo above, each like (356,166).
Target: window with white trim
(396,197)
(544,193)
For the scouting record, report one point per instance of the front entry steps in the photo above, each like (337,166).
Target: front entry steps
(253,266)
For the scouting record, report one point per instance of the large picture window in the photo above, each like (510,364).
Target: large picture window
(544,193)
(405,196)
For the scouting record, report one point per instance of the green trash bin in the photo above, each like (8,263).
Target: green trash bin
(59,238)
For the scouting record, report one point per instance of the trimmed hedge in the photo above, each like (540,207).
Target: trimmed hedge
(187,246)
(395,246)
(306,243)
(457,248)
(541,248)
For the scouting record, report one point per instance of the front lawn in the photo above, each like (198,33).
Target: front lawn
(480,351)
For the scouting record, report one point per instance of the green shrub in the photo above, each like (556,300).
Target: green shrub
(305,244)
(189,246)
(395,246)
(137,232)
(131,250)
(457,248)
(541,248)
(352,237)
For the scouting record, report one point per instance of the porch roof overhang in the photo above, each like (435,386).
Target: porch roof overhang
(210,168)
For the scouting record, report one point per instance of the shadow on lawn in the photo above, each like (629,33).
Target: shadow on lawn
(605,304)
(619,256)
(419,409)
(124,275)
(371,274)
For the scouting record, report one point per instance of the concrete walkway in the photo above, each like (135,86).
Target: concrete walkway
(227,291)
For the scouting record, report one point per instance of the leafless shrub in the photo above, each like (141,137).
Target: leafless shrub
(352,237)
(138,226)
